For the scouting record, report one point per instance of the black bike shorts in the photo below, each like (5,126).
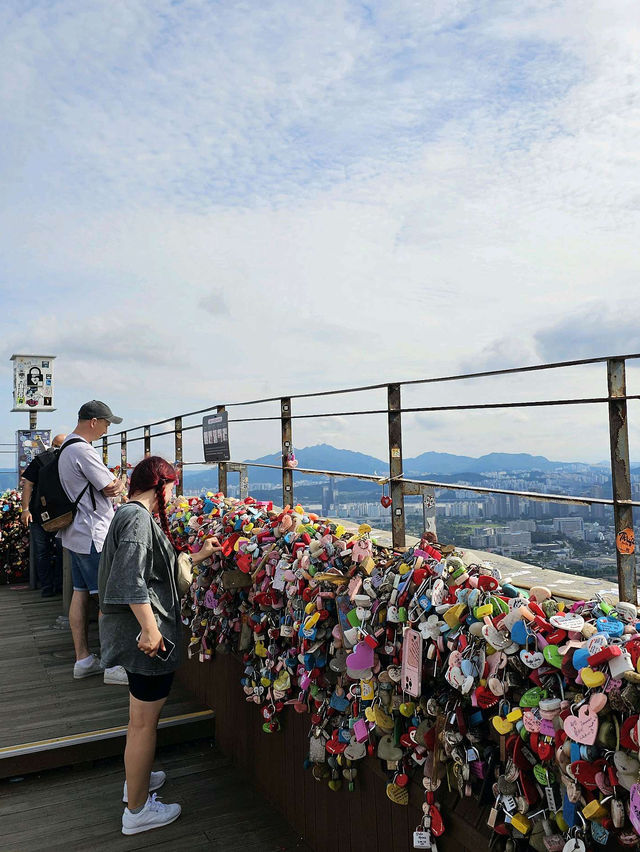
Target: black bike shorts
(150,687)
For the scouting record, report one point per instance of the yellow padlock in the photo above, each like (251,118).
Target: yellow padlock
(521,823)
(594,810)
(453,614)
(479,612)
(311,621)
(368,565)
(514,715)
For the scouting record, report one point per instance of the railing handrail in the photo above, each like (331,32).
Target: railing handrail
(399,486)
(459,377)
(539,403)
(381,479)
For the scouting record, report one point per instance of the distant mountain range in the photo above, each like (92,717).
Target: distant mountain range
(326,457)
(448,466)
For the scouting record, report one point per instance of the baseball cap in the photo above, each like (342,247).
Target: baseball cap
(99,410)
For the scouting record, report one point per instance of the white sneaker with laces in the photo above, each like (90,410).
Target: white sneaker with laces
(156,780)
(116,674)
(94,668)
(155,814)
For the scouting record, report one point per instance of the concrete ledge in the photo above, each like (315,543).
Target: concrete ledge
(568,586)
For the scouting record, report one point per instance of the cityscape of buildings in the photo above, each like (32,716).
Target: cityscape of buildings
(578,539)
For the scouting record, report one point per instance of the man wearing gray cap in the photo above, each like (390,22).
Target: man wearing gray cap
(83,475)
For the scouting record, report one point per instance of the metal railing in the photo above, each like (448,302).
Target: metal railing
(616,401)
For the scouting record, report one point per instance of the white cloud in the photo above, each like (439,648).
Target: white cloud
(208,202)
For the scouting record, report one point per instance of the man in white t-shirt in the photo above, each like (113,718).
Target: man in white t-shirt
(81,470)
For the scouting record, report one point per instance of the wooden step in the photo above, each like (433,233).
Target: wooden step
(25,758)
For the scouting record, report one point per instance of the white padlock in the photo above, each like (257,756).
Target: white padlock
(627,611)
(619,665)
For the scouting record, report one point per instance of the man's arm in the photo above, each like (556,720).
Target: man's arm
(113,489)
(27,491)
(97,473)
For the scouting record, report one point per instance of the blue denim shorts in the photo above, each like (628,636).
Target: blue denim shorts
(84,571)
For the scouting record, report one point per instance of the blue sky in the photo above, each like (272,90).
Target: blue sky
(213,201)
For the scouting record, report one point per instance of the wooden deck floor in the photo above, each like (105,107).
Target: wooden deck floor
(39,699)
(78,809)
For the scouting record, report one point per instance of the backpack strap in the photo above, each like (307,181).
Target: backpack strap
(88,485)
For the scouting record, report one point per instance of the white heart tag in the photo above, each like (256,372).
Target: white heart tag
(532,659)
(568,622)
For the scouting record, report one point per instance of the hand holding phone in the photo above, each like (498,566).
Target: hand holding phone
(160,654)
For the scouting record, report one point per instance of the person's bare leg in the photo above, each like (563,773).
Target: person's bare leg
(79,623)
(140,748)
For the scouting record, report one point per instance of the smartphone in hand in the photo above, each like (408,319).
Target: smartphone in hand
(160,654)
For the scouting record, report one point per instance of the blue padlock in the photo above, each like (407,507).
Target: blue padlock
(610,626)
(510,591)
(425,603)
(520,632)
(579,659)
(569,811)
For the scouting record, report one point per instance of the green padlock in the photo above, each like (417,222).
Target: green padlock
(543,775)
(531,697)
(352,618)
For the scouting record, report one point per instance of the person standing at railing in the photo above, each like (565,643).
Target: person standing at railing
(47,549)
(82,472)
(141,629)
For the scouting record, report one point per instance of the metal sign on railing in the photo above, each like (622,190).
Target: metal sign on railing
(215,437)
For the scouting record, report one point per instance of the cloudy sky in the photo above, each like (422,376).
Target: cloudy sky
(206,202)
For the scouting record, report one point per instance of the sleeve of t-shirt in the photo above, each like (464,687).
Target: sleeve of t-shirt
(130,566)
(93,470)
(31,472)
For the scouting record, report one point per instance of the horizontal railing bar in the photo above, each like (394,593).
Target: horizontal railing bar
(381,479)
(418,409)
(412,410)
(458,377)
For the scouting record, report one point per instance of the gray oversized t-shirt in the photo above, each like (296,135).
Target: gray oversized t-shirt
(137,565)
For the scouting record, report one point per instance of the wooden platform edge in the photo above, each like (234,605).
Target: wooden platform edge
(171,731)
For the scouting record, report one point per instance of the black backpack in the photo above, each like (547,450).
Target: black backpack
(54,510)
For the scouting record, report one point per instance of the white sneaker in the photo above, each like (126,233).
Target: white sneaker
(116,674)
(156,780)
(155,814)
(94,668)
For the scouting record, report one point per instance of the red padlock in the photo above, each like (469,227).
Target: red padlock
(604,655)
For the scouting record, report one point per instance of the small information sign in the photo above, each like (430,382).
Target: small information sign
(215,437)
(29,444)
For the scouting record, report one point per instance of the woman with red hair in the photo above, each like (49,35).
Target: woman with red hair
(140,628)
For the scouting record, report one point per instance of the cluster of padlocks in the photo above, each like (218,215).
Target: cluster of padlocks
(440,668)
(14,540)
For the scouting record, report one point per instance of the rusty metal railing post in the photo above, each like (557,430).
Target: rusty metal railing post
(395,465)
(621,480)
(147,441)
(123,453)
(105,451)
(178,448)
(222,466)
(287,447)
